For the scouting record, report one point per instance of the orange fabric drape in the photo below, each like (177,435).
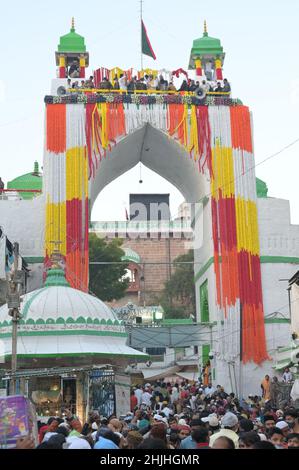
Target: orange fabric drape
(177,123)
(115,121)
(56,128)
(241,128)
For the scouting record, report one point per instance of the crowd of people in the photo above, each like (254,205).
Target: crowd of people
(151,83)
(177,416)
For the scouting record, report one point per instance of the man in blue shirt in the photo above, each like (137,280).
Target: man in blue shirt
(188,442)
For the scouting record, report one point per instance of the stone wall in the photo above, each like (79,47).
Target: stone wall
(153,250)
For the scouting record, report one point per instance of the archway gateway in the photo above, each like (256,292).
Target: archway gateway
(203,147)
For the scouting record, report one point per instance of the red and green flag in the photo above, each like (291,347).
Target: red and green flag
(146,45)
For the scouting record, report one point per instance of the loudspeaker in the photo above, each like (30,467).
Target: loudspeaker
(61,91)
(200,93)
(59,86)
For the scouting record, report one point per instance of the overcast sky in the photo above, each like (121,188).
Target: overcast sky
(260,39)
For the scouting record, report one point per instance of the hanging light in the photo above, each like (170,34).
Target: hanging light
(140,172)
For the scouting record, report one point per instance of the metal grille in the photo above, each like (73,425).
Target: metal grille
(102,392)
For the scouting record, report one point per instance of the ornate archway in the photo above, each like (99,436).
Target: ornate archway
(203,147)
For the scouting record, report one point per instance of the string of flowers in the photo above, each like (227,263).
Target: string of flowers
(142,99)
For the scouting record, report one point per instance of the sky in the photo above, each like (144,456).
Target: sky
(260,39)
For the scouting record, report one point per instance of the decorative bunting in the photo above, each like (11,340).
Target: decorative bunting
(141,99)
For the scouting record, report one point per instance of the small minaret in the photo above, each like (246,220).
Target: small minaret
(207,56)
(71,57)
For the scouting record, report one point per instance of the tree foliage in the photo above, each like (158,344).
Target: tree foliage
(108,282)
(178,298)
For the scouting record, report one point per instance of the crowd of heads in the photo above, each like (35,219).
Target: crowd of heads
(82,84)
(150,83)
(178,416)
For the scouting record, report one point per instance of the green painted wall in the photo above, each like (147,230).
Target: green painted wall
(205,353)
(204,303)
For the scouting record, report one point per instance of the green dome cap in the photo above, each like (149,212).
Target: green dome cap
(56,278)
(206,46)
(72,42)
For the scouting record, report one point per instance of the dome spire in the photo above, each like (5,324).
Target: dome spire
(73,25)
(36,168)
(206,48)
(205,31)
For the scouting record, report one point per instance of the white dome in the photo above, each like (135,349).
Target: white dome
(54,302)
(59,320)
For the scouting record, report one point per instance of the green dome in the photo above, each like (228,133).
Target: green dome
(206,46)
(72,42)
(30,181)
(261,188)
(131,256)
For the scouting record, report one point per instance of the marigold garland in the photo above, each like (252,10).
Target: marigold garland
(216,133)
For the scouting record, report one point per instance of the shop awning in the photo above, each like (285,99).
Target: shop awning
(188,375)
(155,374)
(187,362)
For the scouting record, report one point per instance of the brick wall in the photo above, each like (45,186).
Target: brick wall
(153,250)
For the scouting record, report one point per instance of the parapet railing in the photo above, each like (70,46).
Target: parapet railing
(20,190)
(121,226)
(13,194)
(143,92)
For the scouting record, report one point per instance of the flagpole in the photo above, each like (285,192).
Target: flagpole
(141,19)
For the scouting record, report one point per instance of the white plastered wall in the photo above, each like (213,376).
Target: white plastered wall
(278,239)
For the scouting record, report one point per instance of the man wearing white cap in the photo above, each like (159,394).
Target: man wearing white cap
(284,427)
(158,418)
(213,423)
(230,425)
(78,443)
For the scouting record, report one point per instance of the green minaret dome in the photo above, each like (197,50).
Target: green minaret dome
(205,47)
(261,188)
(72,42)
(29,181)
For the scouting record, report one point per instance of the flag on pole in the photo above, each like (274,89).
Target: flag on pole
(146,45)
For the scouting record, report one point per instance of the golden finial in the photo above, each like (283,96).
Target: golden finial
(73,23)
(205,28)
